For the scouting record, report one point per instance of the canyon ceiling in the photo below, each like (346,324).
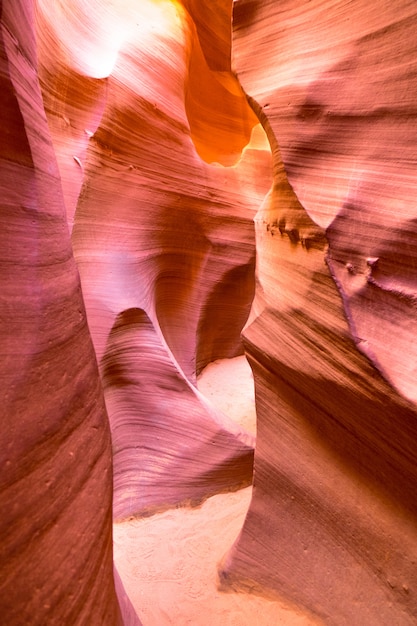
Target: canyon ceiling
(167,181)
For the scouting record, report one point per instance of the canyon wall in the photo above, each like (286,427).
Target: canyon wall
(126,126)
(163,167)
(158,188)
(332,338)
(56,471)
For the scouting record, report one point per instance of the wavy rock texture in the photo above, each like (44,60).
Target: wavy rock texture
(153,405)
(56,537)
(332,338)
(162,188)
(162,167)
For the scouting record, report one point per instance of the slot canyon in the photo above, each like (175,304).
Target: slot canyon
(208,312)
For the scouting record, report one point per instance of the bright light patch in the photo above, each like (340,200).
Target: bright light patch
(92,32)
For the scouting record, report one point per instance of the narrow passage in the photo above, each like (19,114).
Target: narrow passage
(168,562)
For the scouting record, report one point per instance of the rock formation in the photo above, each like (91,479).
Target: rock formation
(164,243)
(135,126)
(56,486)
(332,523)
(162,235)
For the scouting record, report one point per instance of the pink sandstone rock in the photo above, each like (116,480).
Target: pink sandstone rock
(56,534)
(150,131)
(159,229)
(168,446)
(332,341)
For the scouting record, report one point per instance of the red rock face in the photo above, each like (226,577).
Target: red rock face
(138,141)
(162,233)
(164,242)
(56,552)
(332,524)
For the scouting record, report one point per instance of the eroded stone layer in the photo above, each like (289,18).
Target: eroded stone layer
(169,447)
(152,127)
(55,479)
(332,339)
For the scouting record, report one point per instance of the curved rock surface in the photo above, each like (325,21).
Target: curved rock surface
(162,201)
(332,341)
(55,480)
(168,447)
(166,182)
(158,165)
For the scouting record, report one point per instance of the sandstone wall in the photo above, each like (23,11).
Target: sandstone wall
(56,471)
(126,126)
(151,132)
(332,523)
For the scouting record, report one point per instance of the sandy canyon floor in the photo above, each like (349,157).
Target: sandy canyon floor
(168,562)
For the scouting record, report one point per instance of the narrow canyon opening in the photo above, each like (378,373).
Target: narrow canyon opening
(200,277)
(169,562)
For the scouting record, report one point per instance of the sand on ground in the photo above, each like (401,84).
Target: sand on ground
(228,385)
(168,562)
